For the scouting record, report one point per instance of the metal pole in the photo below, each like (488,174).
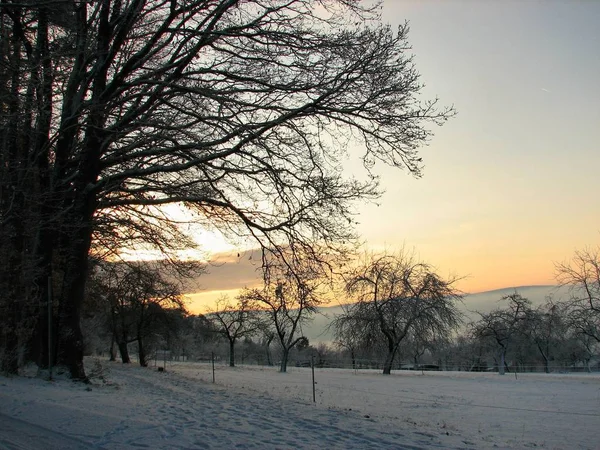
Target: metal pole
(312,366)
(212,356)
(50,314)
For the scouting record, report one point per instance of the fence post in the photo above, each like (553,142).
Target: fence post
(312,366)
(212,357)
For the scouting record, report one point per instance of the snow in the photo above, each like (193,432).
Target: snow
(257,407)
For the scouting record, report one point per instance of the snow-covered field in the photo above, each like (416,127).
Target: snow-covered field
(257,407)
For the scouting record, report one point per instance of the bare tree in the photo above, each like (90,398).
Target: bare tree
(582,276)
(267,335)
(399,295)
(289,301)
(503,325)
(234,321)
(138,297)
(547,329)
(242,111)
(355,335)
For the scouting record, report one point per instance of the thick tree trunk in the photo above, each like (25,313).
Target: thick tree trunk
(44,236)
(11,201)
(231,353)
(285,354)
(70,335)
(502,365)
(389,359)
(124,351)
(112,352)
(141,351)
(10,357)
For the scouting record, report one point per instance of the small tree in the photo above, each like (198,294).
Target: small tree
(267,335)
(289,302)
(503,325)
(547,329)
(234,321)
(355,335)
(138,297)
(397,295)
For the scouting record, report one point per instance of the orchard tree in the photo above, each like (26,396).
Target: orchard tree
(267,335)
(355,335)
(547,328)
(582,276)
(242,111)
(504,325)
(399,295)
(234,321)
(139,298)
(289,299)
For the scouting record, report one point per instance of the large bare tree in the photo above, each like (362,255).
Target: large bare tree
(398,295)
(243,111)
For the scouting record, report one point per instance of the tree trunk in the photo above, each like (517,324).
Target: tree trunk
(502,365)
(39,345)
(231,353)
(285,354)
(124,351)
(43,243)
(70,335)
(11,202)
(10,356)
(112,350)
(141,351)
(389,359)
(268,350)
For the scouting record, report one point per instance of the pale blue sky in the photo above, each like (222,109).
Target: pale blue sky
(511,183)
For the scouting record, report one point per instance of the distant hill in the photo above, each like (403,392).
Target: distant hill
(317,331)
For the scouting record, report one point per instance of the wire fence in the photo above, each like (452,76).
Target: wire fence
(330,384)
(359,364)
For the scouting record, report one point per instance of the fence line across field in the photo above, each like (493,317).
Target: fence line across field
(377,364)
(312,380)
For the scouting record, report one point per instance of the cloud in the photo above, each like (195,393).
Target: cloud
(228,271)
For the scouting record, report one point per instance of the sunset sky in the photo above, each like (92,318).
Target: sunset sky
(510,184)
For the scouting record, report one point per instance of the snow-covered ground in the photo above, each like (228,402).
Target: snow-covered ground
(257,407)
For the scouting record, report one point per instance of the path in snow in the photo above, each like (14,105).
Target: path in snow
(143,408)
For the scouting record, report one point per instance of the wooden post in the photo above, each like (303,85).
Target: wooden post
(50,314)
(212,357)
(312,366)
